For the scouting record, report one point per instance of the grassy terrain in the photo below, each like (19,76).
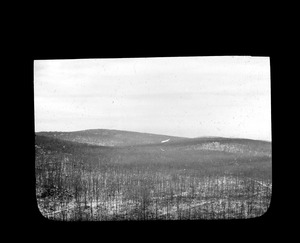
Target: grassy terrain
(201,178)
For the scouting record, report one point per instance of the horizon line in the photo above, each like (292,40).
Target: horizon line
(204,136)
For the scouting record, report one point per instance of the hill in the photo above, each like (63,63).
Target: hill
(105,137)
(201,155)
(231,145)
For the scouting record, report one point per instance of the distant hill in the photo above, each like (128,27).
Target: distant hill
(112,138)
(230,145)
(200,155)
(118,138)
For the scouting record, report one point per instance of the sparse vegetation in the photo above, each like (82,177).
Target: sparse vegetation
(179,182)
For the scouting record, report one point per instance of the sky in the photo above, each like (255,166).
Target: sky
(226,96)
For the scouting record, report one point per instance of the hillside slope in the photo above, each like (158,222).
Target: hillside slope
(231,145)
(105,137)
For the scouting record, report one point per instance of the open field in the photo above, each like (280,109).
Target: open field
(181,179)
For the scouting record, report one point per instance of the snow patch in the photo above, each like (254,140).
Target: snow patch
(164,141)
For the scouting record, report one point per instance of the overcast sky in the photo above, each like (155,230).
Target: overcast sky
(180,96)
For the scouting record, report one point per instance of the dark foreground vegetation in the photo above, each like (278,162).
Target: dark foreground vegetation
(213,178)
